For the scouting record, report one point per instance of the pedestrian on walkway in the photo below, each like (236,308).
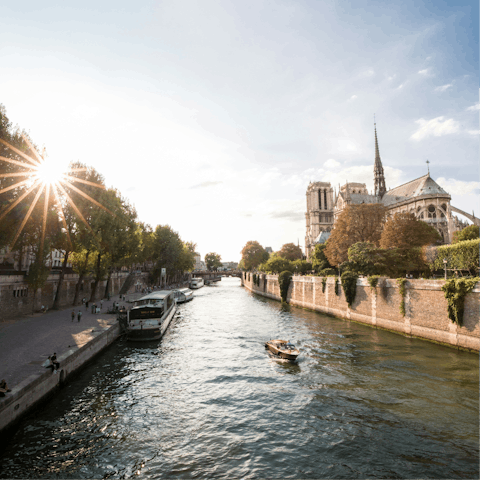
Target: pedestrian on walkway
(86,305)
(101,304)
(83,301)
(79,315)
(73,315)
(93,308)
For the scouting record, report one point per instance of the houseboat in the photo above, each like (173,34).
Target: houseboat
(183,295)
(196,282)
(150,316)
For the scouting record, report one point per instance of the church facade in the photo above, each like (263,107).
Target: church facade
(423,197)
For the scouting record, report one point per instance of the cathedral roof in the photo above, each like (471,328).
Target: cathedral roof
(420,186)
(322,238)
(357,198)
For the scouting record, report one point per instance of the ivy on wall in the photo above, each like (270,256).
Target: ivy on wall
(401,282)
(455,291)
(349,284)
(373,282)
(324,284)
(284,280)
(336,286)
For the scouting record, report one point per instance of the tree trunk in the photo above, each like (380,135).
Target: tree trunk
(105,295)
(97,279)
(80,280)
(55,305)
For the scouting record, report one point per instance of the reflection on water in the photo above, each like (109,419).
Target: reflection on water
(210,401)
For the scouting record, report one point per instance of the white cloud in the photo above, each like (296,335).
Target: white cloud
(457,187)
(474,132)
(474,107)
(367,73)
(330,164)
(391,77)
(443,88)
(353,97)
(424,72)
(400,86)
(436,127)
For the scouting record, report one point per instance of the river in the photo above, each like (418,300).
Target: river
(208,401)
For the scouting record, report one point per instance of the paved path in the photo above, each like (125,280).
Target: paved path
(27,342)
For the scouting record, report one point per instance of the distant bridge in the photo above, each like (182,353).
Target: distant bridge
(473,218)
(215,276)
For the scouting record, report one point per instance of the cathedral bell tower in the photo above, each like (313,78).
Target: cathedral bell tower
(379,177)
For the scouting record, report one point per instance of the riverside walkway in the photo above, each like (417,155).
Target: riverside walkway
(26,342)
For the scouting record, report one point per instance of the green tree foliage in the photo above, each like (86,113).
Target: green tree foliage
(284,280)
(349,284)
(302,266)
(213,261)
(356,223)
(462,255)
(468,233)
(276,264)
(455,292)
(404,230)
(291,252)
(253,254)
(318,257)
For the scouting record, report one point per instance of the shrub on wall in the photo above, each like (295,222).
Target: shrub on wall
(254,278)
(284,280)
(455,291)
(324,284)
(373,281)
(327,272)
(349,284)
(336,286)
(462,255)
(401,282)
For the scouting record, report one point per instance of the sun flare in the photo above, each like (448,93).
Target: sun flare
(48,173)
(44,175)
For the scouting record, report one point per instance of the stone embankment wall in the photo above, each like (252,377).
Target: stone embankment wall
(425,306)
(16,298)
(33,389)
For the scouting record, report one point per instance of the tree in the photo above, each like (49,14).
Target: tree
(468,233)
(404,230)
(213,261)
(302,266)
(318,257)
(276,264)
(253,254)
(168,249)
(356,223)
(38,272)
(291,252)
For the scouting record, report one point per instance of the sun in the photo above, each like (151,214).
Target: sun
(48,172)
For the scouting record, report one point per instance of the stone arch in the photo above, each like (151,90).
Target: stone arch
(432,211)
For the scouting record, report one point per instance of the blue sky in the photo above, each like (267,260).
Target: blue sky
(213,116)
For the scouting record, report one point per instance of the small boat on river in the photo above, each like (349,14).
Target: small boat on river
(150,316)
(283,348)
(196,282)
(183,295)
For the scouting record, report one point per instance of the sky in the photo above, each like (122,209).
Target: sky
(213,116)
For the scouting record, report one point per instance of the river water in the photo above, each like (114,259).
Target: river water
(208,401)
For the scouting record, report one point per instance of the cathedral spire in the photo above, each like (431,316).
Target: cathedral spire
(379,178)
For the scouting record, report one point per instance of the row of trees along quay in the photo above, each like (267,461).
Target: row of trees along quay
(366,242)
(94,227)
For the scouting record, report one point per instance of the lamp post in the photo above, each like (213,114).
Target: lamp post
(445,267)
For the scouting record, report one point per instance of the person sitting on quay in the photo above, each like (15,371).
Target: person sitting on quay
(4,388)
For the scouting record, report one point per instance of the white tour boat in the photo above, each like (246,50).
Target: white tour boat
(197,282)
(150,316)
(183,295)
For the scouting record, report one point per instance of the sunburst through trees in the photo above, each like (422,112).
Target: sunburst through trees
(41,178)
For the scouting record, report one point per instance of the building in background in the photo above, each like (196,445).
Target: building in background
(423,197)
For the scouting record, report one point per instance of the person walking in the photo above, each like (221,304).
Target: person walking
(101,304)
(93,308)
(79,315)
(73,315)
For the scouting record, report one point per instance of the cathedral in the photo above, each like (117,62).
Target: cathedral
(422,197)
